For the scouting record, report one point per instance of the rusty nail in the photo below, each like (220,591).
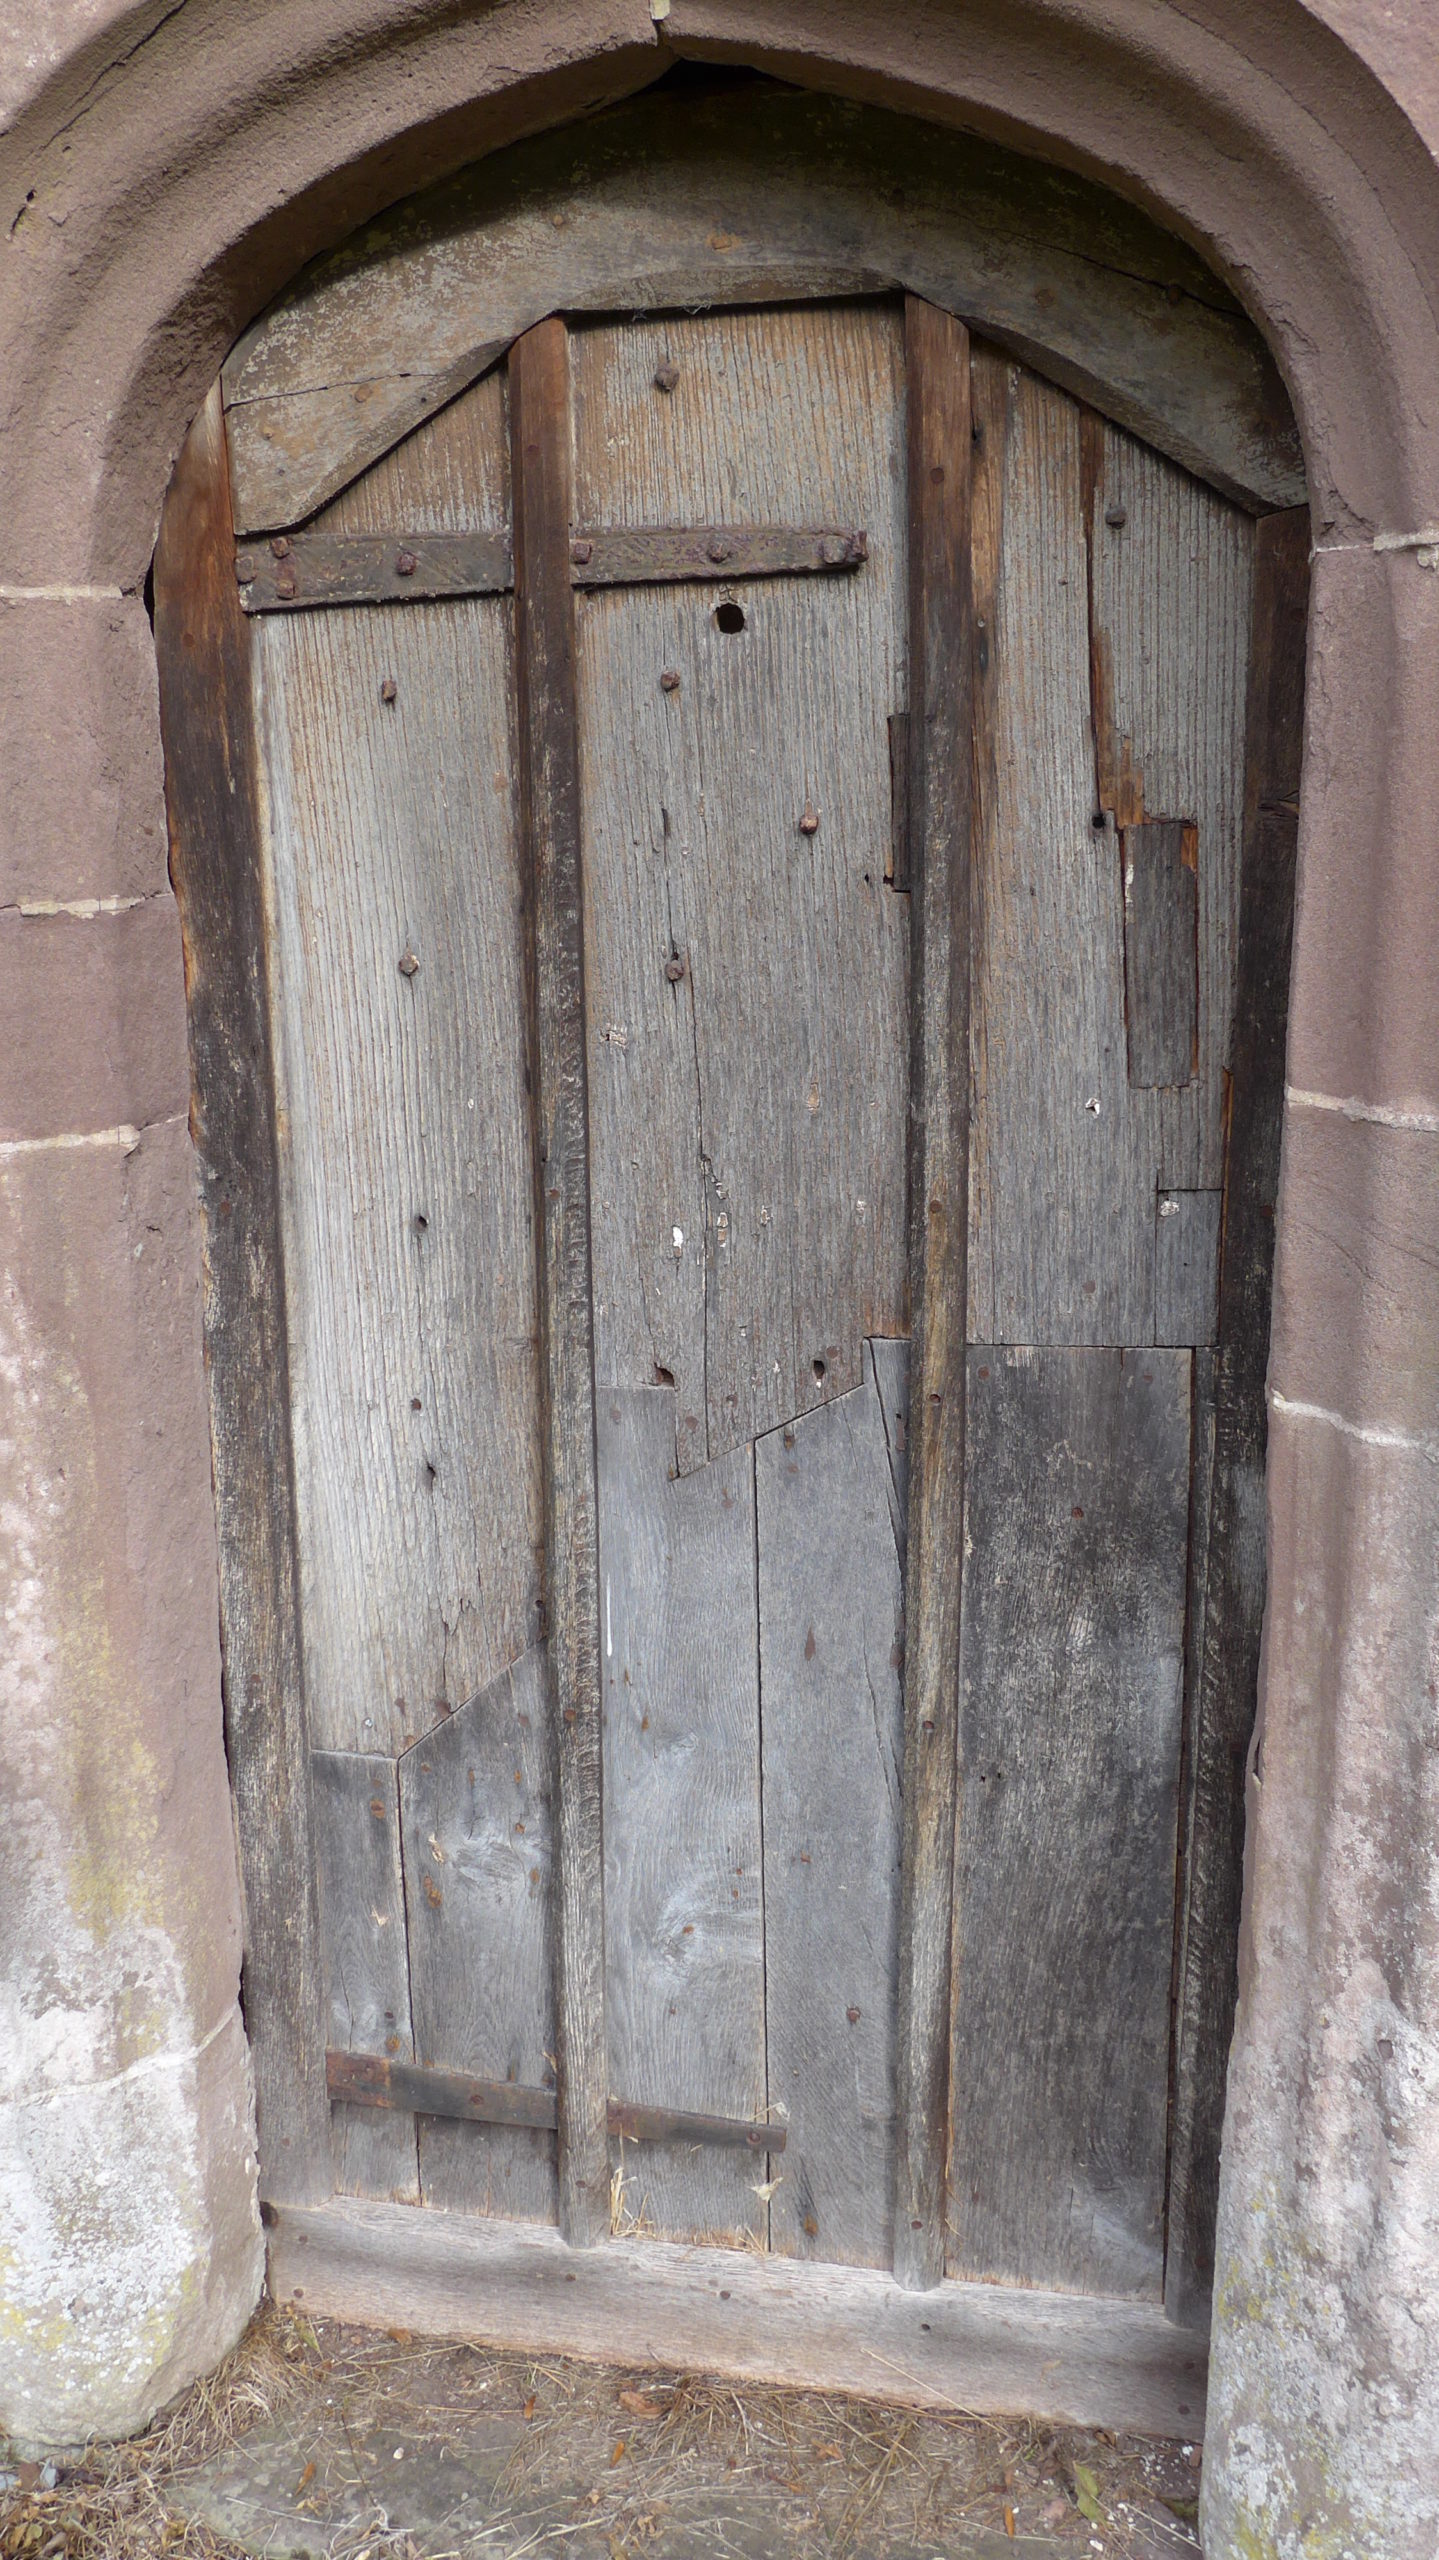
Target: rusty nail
(285,584)
(405,564)
(582,553)
(666,375)
(408,965)
(670,680)
(389,689)
(1116,516)
(244,567)
(809,820)
(674,971)
(280,545)
(718,548)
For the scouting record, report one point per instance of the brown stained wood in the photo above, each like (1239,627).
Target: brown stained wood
(542,480)
(367,2080)
(746,979)
(684,1920)
(1186,1266)
(212,795)
(362,1912)
(476,1805)
(830,1495)
(405,1157)
(1161,957)
(1234,1593)
(1076,1534)
(735,2313)
(686,203)
(941,645)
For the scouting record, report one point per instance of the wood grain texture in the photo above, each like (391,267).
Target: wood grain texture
(362,1913)
(746,980)
(684,1919)
(1186,1266)
(830,1501)
(543,498)
(941,657)
(213,788)
(730,2312)
(1161,953)
(1112,668)
(1234,1590)
(476,1801)
(685,203)
(405,1156)
(1074,1611)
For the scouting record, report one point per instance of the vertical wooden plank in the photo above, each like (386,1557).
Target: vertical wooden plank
(684,1918)
(1186,1267)
(940,680)
(362,1912)
(477,1817)
(1076,1532)
(830,1506)
(1161,950)
(212,787)
(541,476)
(1234,1600)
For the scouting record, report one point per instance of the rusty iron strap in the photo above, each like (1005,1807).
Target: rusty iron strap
(371,2080)
(297,572)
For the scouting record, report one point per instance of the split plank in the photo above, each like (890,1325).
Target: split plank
(476,1799)
(213,786)
(1161,965)
(684,1922)
(541,479)
(746,979)
(1234,1594)
(941,644)
(686,202)
(1074,1610)
(362,1912)
(830,1503)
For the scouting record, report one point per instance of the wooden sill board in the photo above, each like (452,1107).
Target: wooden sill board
(1065,2357)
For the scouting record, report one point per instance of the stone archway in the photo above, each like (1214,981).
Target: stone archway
(163,175)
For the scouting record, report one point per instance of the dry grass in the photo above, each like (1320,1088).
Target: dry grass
(601,2462)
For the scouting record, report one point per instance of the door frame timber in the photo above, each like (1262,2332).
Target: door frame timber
(317,2244)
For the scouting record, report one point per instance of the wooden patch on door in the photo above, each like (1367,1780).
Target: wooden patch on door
(1072,1682)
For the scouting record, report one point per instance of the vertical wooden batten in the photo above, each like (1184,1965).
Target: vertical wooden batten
(1234,1580)
(212,795)
(940,726)
(542,478)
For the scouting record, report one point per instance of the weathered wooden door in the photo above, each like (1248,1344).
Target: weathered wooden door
(770,830)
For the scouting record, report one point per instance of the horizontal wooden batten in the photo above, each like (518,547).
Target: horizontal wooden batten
(318,569)
(372,2080)
(1068,2358)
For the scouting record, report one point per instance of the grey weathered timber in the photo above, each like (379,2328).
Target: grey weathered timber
(830,1504)
(684,1922)
(405,1157)
(1186,1266)
(745,976)
(369,2081)
(213,786)
(291,575)
(1234,1592)
(1076,1536)
(541,480)
(477,1820)
(1170,579)
(1111,685)
(1161,950)
(736,2313)
(941,643)
(362,1917)
(672,203)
